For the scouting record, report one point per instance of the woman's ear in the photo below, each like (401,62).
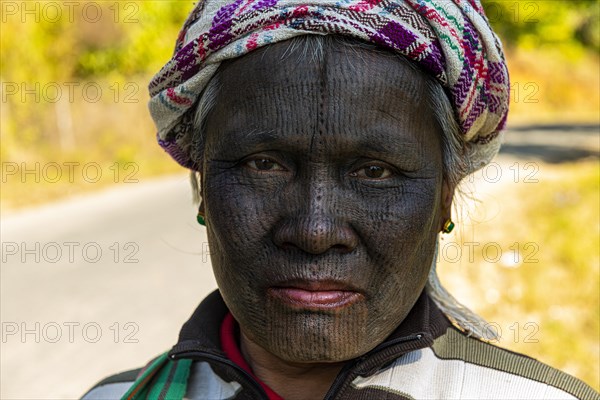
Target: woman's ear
(446,202)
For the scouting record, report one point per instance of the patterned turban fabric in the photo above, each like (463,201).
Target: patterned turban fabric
(449,39)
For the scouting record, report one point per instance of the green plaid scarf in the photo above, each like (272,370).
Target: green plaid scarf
(163,379)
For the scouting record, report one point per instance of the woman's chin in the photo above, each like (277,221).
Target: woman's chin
(306,336)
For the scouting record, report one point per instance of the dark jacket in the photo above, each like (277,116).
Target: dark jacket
(426,357)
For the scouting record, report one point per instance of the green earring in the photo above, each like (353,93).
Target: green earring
(200,219)
(448,226)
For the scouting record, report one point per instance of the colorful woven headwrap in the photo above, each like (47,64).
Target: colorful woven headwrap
(450,39)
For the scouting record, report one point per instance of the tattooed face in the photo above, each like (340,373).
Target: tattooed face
(322,188)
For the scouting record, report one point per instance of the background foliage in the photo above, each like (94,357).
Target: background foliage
(569,26)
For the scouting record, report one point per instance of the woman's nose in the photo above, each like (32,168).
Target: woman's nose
(315,228)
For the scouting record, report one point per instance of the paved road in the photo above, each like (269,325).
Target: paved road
(553,144)
(104,307)
(119,271)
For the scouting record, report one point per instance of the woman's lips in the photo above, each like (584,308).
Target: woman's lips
(315,295)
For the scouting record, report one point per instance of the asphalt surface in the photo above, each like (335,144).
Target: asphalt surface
(101,283)
(133,264)
(553,144)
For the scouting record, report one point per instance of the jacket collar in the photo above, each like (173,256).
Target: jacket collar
(202,331)
(423,324)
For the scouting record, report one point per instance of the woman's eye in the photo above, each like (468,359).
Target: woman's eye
(264,164)
(372,172)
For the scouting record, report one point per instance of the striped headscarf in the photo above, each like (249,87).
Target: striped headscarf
(450,39)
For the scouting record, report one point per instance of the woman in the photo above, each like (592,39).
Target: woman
(327,139)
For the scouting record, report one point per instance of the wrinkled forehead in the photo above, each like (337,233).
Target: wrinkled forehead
(350,98)
(360,69)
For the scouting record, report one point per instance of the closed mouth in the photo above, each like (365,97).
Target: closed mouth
(315,294)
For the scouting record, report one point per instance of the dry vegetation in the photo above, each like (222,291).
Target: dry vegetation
(533,268)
